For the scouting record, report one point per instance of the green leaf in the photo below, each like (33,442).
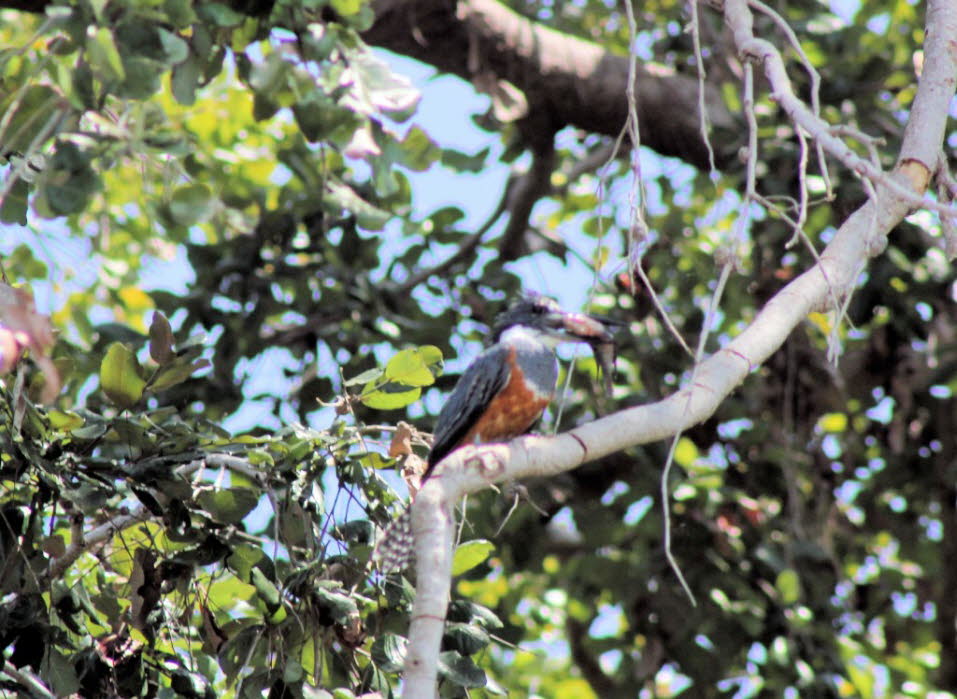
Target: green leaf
(175,48)
(65,421)
(463,162)
(242,559)
(366,376)
(346,8)
(59,671)
(229,505)
(184,80)
(460,671)
(685,453)
(374,459)
(68,182)
(471,554)
(467,639)
(120,376)
(379,89)
(788,586)
(104,57)
(472,613)
(33,109)
(343,197)
(340,606)
(388,652)
(82,94)
(390,397)
(414,367)
(318,116)
(219,14)
(191,204)
(13,208)
(176,372)
(268,592)
(357,531)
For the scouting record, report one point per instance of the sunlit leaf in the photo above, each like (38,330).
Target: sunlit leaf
(121,376)
(228,505)
(471,554)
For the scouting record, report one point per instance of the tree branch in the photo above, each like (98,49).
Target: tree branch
(570,81)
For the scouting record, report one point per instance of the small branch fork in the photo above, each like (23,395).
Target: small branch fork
(892,196)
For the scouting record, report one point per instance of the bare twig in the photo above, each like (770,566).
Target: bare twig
(702,103)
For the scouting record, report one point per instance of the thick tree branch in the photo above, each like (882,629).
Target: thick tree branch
(566,81)
(861,236)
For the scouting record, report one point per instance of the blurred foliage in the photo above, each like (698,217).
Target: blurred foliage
(150,550)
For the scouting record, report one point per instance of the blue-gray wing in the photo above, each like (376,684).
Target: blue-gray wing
(478,385)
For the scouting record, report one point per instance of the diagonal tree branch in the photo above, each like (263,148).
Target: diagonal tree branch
(863,235)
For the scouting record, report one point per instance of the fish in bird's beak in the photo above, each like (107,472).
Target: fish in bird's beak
(594,331)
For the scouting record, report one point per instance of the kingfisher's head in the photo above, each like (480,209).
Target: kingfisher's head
(550,323)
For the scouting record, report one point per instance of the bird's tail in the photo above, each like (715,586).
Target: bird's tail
(395,549)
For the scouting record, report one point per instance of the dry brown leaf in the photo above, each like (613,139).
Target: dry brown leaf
(401,441)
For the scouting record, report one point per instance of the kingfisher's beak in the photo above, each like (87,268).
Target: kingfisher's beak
(587,328)
(595,331)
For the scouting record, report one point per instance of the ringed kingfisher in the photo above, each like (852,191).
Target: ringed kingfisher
(503,392)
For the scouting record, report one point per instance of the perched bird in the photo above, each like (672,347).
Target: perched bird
(502,393)
(509,385)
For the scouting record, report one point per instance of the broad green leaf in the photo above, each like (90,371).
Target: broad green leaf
(104,57)
(175,48)
(374,459)
(460,671)
(13,208)
(467,639)
(471,554)
(176,372)
(191,204)
(61,674)
(343,197)
(388,652)
(340,606)
(219,14)
(184,79)
(470,612)
(414,367)
(266,589)
(379,89)
(366,376)
(227,591)
(229,505)
(68,182)
(388,398)
(65,420)
(33,109)
(120,376)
